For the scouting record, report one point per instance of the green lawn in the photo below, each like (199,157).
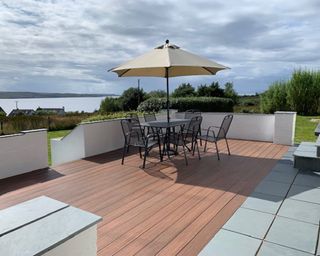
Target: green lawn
(305,128)
(55,134)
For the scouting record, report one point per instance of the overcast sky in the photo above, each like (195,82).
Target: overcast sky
(68,46)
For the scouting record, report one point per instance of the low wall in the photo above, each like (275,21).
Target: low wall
(23,152)
(94,138)
(244,126)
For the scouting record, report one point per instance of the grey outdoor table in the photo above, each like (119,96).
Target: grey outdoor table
(173,123)
(165,124)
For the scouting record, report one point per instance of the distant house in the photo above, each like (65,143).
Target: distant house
(22,112)
(52,111)
(2,112)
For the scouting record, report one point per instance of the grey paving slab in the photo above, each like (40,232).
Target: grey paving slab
(318,249)
(21,214)
(308,178)
(286,161)
(263,202)
(294,234)
(270,249)
(300,210)
(227,243)
(272,188)
(284,177)
(304,193)
(47,233)
(249,222)
(284,167)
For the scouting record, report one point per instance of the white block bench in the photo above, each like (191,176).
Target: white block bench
(44,226)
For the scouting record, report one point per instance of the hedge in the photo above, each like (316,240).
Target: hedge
(204,104)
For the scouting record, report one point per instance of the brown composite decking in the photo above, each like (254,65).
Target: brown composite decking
(166,209)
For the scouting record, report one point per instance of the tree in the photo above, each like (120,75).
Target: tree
(229,92)
(131,98)
(110,105)
(184,90)
(157,94)
(213,90)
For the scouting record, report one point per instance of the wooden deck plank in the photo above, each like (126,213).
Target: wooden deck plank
(166,209)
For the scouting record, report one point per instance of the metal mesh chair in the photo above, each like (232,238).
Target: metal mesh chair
(149,117)
(189,135)
(134,136)
(214,137)
(192,113)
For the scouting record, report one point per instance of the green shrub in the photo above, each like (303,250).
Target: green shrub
(157,94)
(184,90)
(152,105)
(101,117)
(204,104)
(275,98)
(304,92)
(110,105)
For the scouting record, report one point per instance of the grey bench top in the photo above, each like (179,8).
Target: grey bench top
(317,130)
(39,225)
(307,150)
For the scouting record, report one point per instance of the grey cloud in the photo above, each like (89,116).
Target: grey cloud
(69,45)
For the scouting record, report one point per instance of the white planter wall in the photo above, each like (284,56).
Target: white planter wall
(23,152)
(98,137)
(86,140)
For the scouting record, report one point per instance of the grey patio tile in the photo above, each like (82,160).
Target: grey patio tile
(304,193)
(299,210)
(270,249)
(294,234)
(227,243)
(284,167)
(272,188)
(263,202)
(308,178)
(284,177)
(286,161)
(249,222)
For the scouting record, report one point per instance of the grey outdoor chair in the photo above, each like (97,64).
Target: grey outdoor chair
(189,136)
(134,136)
(148,117)
(214,137)
(191,113)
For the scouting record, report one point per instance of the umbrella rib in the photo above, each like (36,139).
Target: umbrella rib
(209,70)
(125,72)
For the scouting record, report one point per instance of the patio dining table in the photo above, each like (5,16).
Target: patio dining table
(169,127)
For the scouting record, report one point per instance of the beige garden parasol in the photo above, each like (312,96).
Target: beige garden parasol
(166,61)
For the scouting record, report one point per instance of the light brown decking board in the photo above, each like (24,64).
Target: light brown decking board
(166,209)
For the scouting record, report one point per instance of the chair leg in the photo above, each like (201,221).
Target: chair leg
(205,146)
(227,146)
(198,151)
(144,158)
(161,158)
(123,153)
(140,153)
(185,154)
(217,150)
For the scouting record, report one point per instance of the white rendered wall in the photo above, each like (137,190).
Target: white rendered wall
(83,244)
(68,148)
(244,126)
(284,127)
(98,137)
(23,152)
